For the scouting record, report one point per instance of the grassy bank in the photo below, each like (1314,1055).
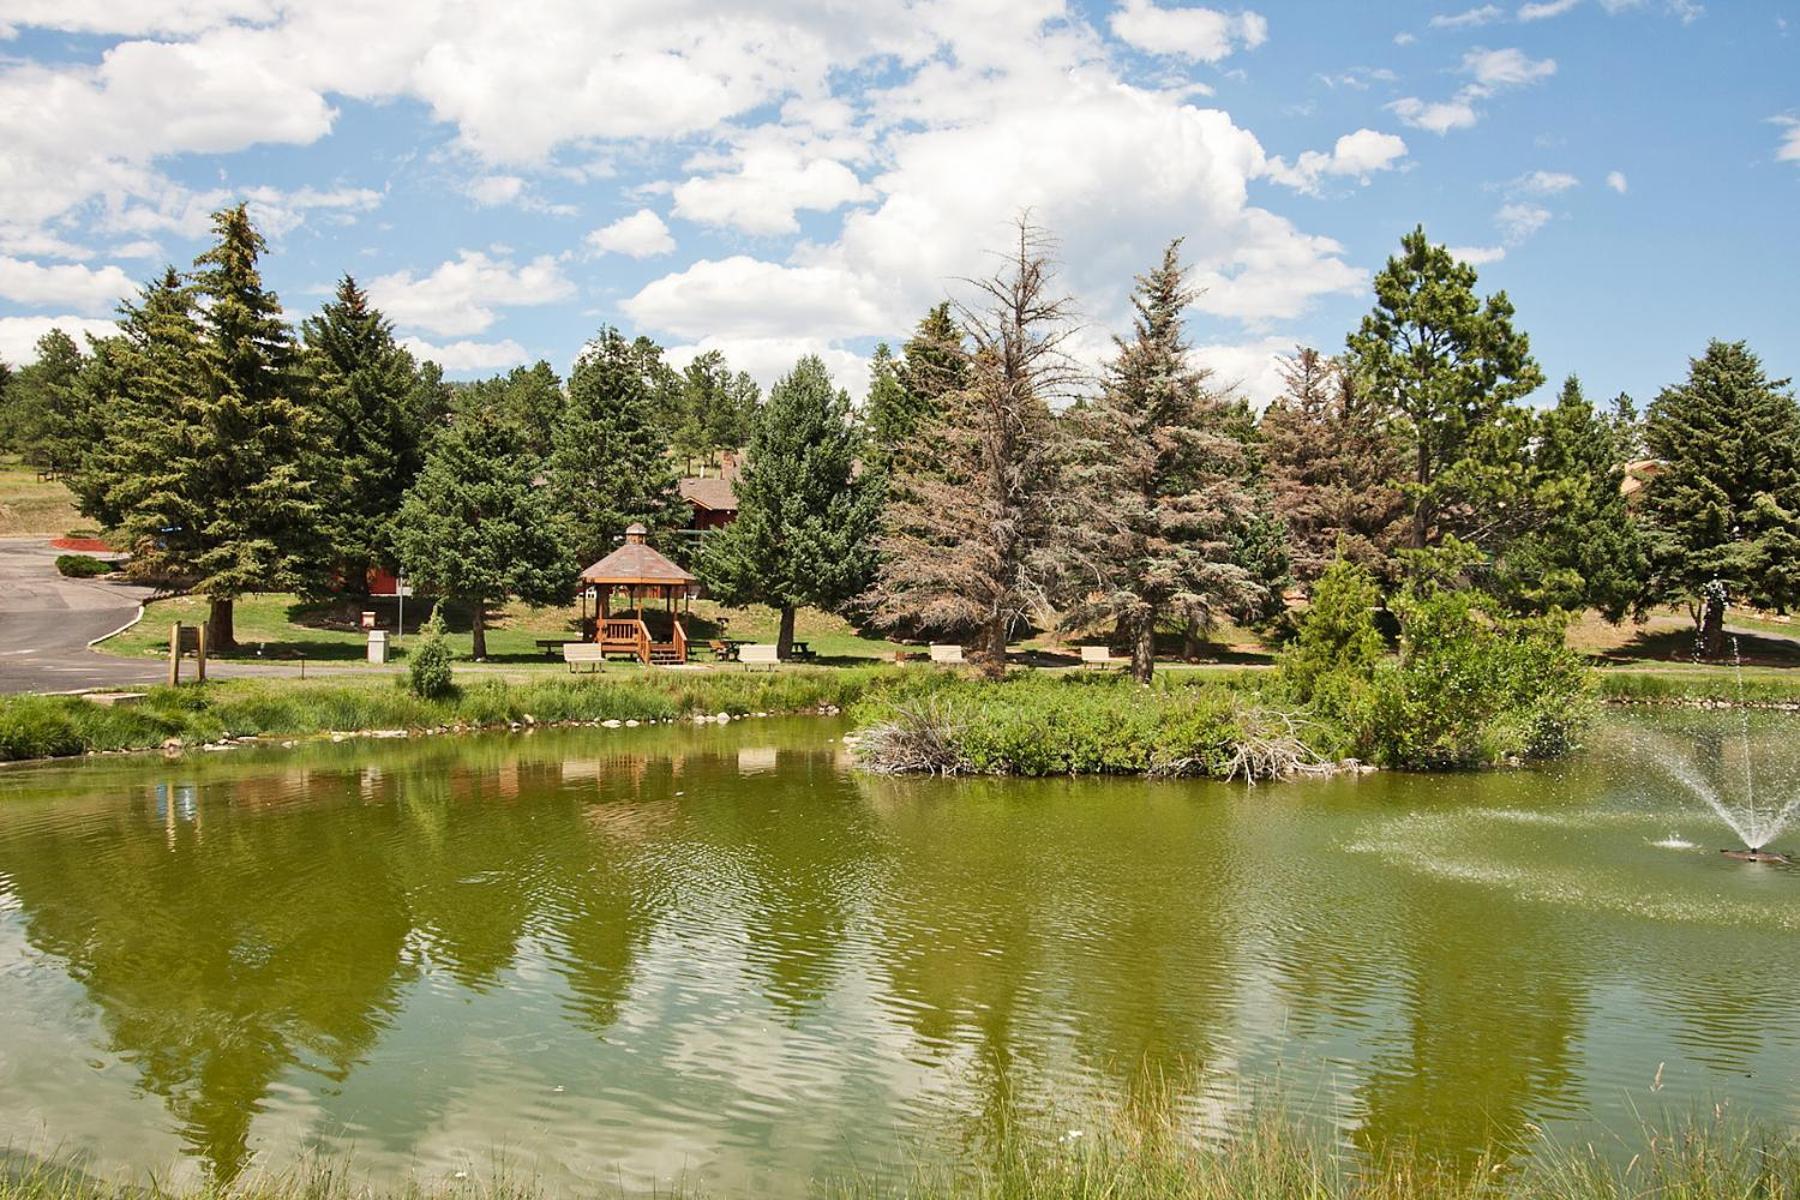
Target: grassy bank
(280,626)
(31,505)
(53,726)
(1038,725)
(1755,687)
(1114,1157)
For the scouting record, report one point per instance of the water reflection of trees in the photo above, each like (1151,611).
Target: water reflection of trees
(229,931)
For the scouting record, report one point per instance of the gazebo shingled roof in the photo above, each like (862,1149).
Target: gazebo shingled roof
(635,564)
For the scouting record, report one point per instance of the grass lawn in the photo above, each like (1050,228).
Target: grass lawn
(281,626)
(30,505)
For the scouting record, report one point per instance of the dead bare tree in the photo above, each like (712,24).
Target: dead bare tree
(968,535)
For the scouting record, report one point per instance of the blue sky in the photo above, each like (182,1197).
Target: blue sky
(778,177)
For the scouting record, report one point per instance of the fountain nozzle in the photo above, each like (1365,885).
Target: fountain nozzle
(1758,856)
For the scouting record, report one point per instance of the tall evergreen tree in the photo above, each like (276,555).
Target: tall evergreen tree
(148,378)
(529,397)
(806,517)
(211,462)
(1335,469)
(1577,547)
(1451,364)
(44,406)
(888,415)
(1163,499)
(476,527)
(610,464)
(967,536)
(934,362)
(1724,508)
(375,406)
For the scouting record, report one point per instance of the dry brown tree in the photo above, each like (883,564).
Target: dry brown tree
(969,526)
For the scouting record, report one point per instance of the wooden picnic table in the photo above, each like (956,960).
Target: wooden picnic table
(802,652)
(553,646)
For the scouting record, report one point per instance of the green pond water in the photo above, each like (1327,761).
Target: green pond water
(720,954)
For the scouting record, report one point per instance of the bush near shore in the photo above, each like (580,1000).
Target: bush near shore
(55,726)
(1466,689)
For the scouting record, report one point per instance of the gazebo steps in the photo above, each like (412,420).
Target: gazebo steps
(665,653)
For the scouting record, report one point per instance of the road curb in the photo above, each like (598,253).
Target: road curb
(121,629)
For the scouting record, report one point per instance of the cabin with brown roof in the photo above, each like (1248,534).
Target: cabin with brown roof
(713,498)
(642,574)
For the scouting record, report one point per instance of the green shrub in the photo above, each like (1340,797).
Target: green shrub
(82,566)
(429,665)
(1037,725)
(1472,689)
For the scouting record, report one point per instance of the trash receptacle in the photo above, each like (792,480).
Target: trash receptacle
(378,645)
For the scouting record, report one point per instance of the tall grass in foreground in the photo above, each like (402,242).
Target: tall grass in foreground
(53,726)
(1114,1158)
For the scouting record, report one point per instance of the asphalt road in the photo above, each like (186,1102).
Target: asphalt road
(46,622)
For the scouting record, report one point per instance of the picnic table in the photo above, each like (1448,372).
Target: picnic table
(723,649)
(801,652)
(553,646)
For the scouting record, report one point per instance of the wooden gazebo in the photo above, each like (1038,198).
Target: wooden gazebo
(642,575)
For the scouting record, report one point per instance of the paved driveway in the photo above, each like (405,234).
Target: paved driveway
(46,622)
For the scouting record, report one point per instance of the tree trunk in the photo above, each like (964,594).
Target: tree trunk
(784,641)
(221,633)
(1712,629)
(1143,648)
(1421,507)
(478,623)
(993,651)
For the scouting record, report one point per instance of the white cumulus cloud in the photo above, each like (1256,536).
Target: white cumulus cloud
(460,296)
(640,235)
(19,335)
(1789,150)
(1484,15)
(1493,71)
(465,356)
(1357,155)
(65,285)
(1617,182)
(1545,9)
(1202,34)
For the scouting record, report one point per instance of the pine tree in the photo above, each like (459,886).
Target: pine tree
(887,409)
(374,405)
(1724,508)
(1163,511)
(806,517)
(1335,469)
(44,406)
(610,464)
(967,535)
(1451,364)
(475,526)
(934,363)
(148,379)
(531,398)
(249,519)
(1579,547)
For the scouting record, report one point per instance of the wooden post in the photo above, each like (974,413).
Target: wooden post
(200,656)
(175,654)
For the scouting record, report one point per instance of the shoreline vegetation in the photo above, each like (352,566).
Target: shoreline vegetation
(909,719)
(1148,1153)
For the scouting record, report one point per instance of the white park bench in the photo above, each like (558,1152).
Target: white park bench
(1100,657)
(759,654)
(589,654)
(949,656)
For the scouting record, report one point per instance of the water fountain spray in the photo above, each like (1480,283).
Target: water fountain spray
(1755,823)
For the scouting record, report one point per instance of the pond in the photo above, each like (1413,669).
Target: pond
(720,954)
